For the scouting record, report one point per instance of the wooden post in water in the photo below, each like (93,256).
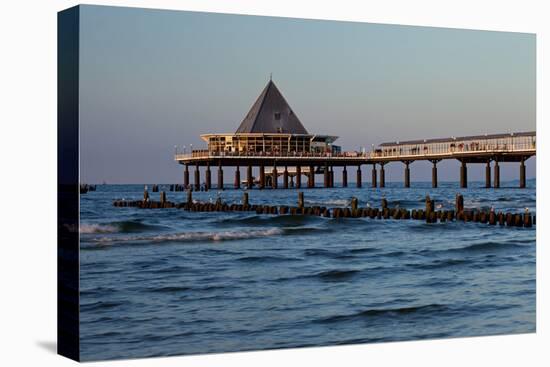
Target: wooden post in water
(407,174)
(463,174)
(186,176)
(145,194)
(374,183)
(245,199)
(262,177)
(345,177)
(459,206)
(488,174)
(300,199)
(285,178)
(189,197)
(522,174)
(197,178)
(382,175)
(162,197)
(354,204)
(249,182)
(298,177)
(237,182)
(497,175)
(384,204)
(359,179)
(220,176)
(274,178)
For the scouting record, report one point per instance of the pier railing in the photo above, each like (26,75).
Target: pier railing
(378,153)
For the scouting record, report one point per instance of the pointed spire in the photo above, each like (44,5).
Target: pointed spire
(271,114)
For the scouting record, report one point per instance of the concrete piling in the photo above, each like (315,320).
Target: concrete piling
(326,176)
(488,175)
(497,175)
(522,174)
(197,178)
(345,177)
(208,176)
(407,174)
(274,178)
(186,176)
(237,183)
(382,175)
(298,177)
(311,177)
(374,183)
(262,177)
(463,175)
(285,178)
(249,182)
(359,178)
(220,177)
(434,174)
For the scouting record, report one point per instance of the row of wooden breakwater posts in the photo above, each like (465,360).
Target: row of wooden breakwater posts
(429,214)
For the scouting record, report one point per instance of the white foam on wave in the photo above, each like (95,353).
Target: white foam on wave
(196,236)
(97,228)
(336,202)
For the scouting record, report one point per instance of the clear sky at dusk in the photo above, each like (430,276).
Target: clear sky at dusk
(153,79)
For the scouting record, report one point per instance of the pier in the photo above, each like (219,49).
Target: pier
(271,144)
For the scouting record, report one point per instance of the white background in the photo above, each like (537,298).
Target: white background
(28,182)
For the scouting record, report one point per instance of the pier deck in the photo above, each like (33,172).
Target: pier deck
(496,148)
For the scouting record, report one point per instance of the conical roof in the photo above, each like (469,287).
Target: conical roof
(271,114)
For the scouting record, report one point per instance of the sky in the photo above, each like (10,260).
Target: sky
(151,80)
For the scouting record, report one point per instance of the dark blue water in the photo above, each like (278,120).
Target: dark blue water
(168,282)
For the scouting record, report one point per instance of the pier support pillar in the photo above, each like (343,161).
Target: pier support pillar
(274,178)
(331,176)
(262,177)
(488,175)
(374,178)
(285,178)
(208,177)
(186,177)
(359,178)
(298,177)
(522,174)
(463,175)
(237,178)
(326,174)
(434,174)
(197,178)
(345,177)
(249,182)
(220,177)
(311,182)
(497,175)
(407,175)
(382,175)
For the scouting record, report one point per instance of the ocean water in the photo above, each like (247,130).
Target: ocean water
(170,282)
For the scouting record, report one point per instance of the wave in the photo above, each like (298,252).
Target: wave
(438,264)
(337,275)
(193,236)
(261,220)
(127,226)
(266,259)
(329,202)
(425,309)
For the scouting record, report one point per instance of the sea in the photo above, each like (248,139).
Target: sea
(161,282)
